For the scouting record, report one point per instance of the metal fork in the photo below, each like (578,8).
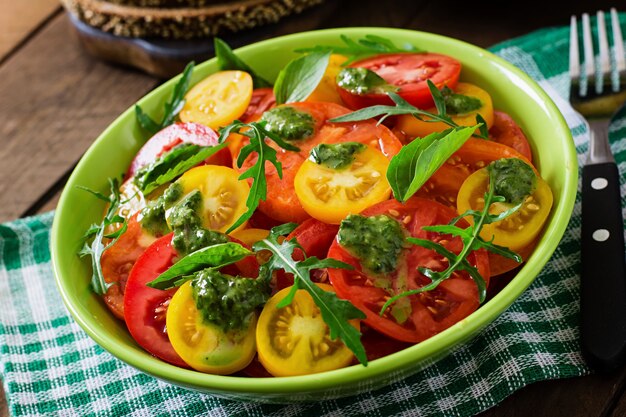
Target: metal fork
(603,274)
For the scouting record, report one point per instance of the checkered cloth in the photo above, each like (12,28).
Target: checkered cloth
(50,366)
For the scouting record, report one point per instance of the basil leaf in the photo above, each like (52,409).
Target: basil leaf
(484,129)
(300,77)
(336,312)
(172,165)
(418,161)
(227,60)
(172,107)
(215,256)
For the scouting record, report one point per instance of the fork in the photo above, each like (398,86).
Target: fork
(603,273)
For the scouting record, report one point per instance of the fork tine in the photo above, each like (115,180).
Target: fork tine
(618,46)
(574,59)
(603,42)
(590,70)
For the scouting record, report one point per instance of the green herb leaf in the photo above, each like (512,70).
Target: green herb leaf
(257,134)
(336,312)
(96,247)
(172,165)
(216,256)
(300,77)
(365,47)
(484,130)
(172,107)
(418,161)
(227,60)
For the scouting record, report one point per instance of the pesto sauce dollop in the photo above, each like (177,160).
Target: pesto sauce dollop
(289,123)
(183,218)
(336,155)
(459,103)
(376,241)
(514,179)
(363,81)
(228,301)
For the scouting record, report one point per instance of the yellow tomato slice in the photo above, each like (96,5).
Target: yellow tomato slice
(218,99)
(418,128)
(326,90)
(294,340)
(330,195)
(204,346)
(519,229)
(250,236)
(223,194)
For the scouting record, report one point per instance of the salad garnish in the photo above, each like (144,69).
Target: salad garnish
(299,78)
(172,107)
(228,60)
(335,311)
(471,239)
(111,221)
(365,47)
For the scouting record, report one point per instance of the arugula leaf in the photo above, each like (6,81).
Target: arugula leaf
(215,256)
(172,165)
(172,107)
(299,78)
(96,248)
(417,161)
(227,60)
(363,48)
(336,312)
(257,134)
(472,241)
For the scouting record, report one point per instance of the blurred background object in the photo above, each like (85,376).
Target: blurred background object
(161,36)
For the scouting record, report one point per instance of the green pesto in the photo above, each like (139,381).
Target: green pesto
(289,123)
(336,155)
(363,81)
(226,301)
(376,241)
(189,235)
(514,179)
(153,215)
(459,103)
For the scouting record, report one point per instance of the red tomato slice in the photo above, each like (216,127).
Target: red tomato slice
(145,308)
(505,131)
(176,134)
(262,100)
(315,237)
(431,312)
(117,262)
(475,154)
(283,204)
(409,72)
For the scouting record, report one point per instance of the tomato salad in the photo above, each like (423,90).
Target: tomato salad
(363,204)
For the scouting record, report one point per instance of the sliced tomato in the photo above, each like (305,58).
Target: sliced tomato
(262,100)
(283,204)
(315,237)
(166,139)
(118,260)
(505,131)
(425,314)
(326,90)
(409,72)
(475,154)
(499,265)
(145,308)
(295,340)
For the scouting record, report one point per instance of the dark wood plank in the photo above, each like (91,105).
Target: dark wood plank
(54,100)
(20,18)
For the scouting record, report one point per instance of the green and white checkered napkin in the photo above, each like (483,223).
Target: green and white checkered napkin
(50,366)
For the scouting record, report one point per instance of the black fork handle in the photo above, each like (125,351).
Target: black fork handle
(603,275)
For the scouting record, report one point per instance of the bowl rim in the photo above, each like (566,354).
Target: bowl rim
(379,367)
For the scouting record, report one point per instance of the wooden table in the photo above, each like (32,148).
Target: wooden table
(55,100)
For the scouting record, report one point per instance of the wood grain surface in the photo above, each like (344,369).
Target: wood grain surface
(55,99)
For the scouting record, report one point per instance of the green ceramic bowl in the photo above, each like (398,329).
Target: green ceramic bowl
(512,91)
